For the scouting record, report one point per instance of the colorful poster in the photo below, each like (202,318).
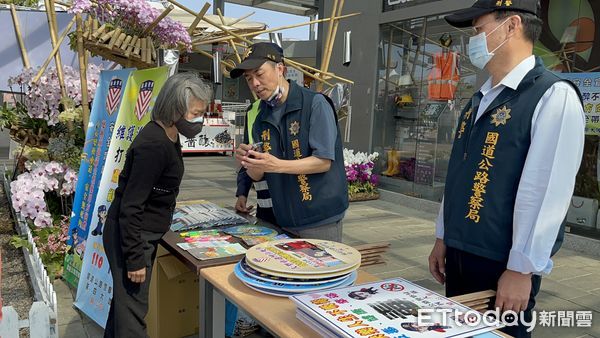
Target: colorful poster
(203,215)
(589,85)
(303,257)
(217,251)
(389,308)
(94,291)
(100,127)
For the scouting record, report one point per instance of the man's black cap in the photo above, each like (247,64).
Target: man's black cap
(464,17)
(256,55)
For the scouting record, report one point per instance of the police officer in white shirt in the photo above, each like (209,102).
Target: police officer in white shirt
(512,171)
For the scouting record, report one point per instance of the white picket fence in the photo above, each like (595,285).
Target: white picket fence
(42,321)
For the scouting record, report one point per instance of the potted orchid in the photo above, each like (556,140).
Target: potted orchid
(49,128)
(43,196)
(362,183)
(42,120)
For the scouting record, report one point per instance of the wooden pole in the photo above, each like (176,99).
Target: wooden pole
(336,23)
(270,30)
(53,38)
(157,20)
(241,18)
(210,21)
(321,80)
(329,31)
(221,17)
(332,31)
(198,18)
(211,57)
(54,51)
(83,74)
(17,25)
(237,55)
(316,70)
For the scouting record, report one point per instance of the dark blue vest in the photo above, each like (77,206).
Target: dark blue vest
(485,169)
(300,200)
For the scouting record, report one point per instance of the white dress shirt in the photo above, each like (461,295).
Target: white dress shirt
(548,179)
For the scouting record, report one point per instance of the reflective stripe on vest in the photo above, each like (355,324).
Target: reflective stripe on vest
(251,115)
(261,185)
(265,203)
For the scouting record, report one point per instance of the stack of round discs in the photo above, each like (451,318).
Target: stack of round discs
(291,266)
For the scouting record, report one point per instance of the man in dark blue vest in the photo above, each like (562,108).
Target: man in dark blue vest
(302,159)
(512,170)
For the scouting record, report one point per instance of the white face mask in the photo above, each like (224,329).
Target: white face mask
(478,49)
(275,98)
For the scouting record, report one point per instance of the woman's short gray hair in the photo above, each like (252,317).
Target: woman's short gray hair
(174,98)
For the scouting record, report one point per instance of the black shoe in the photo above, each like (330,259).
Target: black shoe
(94,233)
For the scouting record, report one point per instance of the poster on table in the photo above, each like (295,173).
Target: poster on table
(305,257)
(100,127)
(217,135)
(94,291)
(389,308)
(589,85)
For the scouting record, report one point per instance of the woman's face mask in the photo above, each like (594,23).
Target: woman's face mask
(478,49)
(190,128)
(190,124)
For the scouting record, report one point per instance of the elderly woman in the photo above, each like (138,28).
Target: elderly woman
(145,199)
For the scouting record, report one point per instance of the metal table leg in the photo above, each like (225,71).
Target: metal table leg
(218,314)
(205,308)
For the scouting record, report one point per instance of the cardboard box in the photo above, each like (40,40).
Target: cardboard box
(173,300)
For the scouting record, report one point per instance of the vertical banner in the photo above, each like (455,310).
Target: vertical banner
(102,119)
(94,291)
(589,85)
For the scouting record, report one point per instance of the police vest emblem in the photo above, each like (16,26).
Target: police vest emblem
(501,116)
(294,128)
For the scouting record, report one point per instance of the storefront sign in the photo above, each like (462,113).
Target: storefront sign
(390,5)
(295,75)
(589,85)
(217,136)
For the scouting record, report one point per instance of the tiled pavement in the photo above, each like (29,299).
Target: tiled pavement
(573,285)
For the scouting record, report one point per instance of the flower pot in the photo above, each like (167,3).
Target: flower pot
(363,196)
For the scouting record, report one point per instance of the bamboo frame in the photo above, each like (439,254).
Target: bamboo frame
(198,18)
(212,57)
(275,29)
(157,20)
(17,25)
(333,35)
(54,51)
(53,38)
(82,73)
(338,6)
(221,16)
(330,27)
(318,71)
(242,38)
(242,18)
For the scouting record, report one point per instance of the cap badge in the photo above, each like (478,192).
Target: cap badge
(248,52)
